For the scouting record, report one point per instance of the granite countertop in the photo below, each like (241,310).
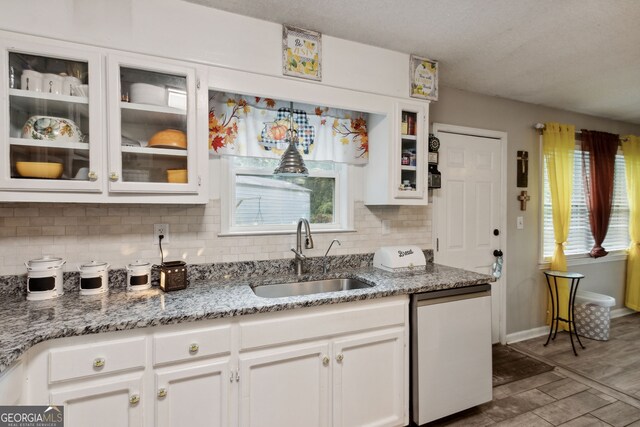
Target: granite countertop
(26,323)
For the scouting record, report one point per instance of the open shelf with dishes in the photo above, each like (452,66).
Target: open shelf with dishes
(54,104)
(165,117)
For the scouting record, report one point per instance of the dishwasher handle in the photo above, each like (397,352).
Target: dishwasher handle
(446,295)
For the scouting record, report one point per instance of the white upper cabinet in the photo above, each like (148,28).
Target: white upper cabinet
(51,114)
(397,173)
(152,126)
(73,133)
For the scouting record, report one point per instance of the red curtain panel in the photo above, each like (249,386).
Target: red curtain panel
(600,149)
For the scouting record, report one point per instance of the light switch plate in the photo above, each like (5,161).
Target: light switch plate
(520,223)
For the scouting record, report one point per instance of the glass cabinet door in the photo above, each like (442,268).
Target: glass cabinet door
(52,137)
(409,156)
(152,126)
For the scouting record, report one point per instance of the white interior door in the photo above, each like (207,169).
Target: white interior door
(469,208)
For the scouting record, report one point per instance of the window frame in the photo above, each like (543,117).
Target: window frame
(343,202)
(544,263)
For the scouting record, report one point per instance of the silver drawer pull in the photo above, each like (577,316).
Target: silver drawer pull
(99,362)
(162,393)
(325,361)
(193,348)
(340,357)
(134,399)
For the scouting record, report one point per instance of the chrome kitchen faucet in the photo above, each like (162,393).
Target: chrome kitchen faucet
(308,244)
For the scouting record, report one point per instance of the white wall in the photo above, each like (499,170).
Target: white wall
(181,30)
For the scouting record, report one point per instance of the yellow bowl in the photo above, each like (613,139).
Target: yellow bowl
(39,170)
(177,176)
(169,138)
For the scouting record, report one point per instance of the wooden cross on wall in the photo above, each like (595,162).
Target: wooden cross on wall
(523,198)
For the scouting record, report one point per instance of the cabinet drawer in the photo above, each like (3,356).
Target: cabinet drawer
(96,359)
(181,346)
(324,321)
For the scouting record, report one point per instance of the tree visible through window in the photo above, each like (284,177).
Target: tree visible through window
(262,199)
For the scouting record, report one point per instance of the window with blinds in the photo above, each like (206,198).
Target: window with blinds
(580,239)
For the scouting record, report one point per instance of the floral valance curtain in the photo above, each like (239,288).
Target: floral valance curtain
(256,127)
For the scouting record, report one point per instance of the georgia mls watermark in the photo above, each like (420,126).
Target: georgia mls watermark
(31,416)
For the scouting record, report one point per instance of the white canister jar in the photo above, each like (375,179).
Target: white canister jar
(31,80)
(68,83)
(44,278)
(94,277)
(139,276)
(52,83)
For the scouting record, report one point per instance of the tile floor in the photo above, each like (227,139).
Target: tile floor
(614,363)
(563,397)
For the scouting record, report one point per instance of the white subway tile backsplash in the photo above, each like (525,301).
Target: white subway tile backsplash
(120,234)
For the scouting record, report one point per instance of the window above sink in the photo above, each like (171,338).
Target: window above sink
(249,136)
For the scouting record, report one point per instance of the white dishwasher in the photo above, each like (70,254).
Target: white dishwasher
(450,351)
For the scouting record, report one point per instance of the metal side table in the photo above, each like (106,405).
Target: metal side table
(553,276)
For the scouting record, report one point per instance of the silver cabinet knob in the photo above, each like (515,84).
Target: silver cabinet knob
(92,176)
(162,393)
(340,357)
(134,399)
(325,360)
(99,362)
(114,176)
(193,348)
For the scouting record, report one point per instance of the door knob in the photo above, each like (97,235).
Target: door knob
(114,176)
(497,252)
(92,176)
(325,361)
(162,393)
(496,232)
(134,399)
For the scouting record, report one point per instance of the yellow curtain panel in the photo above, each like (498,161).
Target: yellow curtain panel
(558,144)
(631,150)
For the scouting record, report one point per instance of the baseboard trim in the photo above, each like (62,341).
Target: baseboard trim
(543,330)
(528,334)
(622,311)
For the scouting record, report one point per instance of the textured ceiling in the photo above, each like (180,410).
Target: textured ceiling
(577,55)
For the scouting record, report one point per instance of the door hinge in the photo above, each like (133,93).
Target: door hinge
(437,245)
(198,83)
(199,181)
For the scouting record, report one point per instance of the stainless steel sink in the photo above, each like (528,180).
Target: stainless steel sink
(306,288)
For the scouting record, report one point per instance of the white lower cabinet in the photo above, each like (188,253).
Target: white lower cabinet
(339,365)
(368,379)
(193,396)
(102,403)
(287,386)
